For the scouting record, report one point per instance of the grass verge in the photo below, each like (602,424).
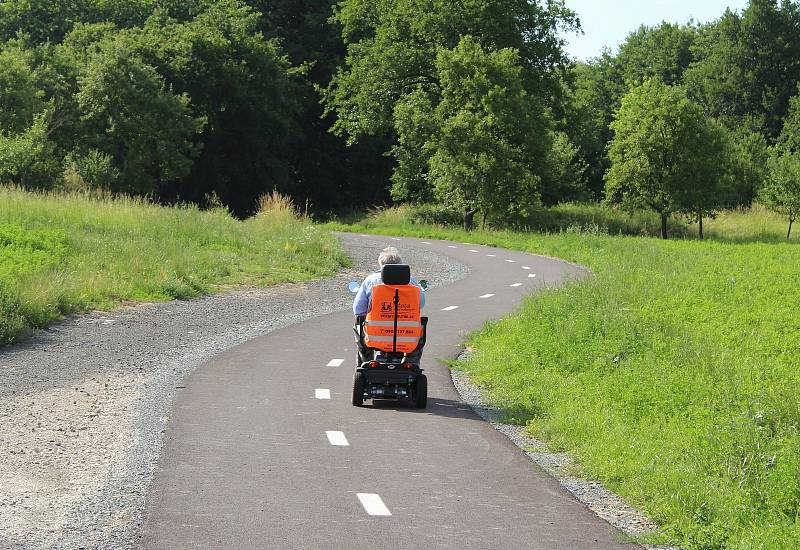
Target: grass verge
(673,375)
(65,253)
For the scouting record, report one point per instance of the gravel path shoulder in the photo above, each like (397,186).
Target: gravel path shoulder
(83,404)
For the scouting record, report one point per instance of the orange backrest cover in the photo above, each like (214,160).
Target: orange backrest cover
(379,325)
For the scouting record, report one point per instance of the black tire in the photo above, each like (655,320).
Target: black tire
(358,389)
(421,392)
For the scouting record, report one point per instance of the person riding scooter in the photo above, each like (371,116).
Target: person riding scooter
(362,304)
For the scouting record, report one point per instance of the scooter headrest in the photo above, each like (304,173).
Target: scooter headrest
(396,274)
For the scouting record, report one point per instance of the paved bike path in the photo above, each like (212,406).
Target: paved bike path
(255,456)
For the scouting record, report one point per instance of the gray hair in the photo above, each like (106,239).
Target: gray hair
(389,255)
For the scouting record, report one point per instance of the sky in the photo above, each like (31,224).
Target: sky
(608,22)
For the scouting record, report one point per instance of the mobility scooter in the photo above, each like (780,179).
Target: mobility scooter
(393,332)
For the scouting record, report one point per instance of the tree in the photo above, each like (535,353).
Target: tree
(391,67)
(486,135)
(664,155)
(749,167)
(20,94)
(27,155)
(19,153)
(661,52)
(416,127)
(130,115)
(564,179)
(597,94)
(391,78)
(782,190)
(708,173)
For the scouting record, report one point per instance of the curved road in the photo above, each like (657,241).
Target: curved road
(264,449)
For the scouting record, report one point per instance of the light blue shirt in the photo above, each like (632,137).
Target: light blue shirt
(364,294)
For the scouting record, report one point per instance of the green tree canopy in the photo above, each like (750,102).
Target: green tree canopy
(21,152)
(665,155)
(662,52)
(781,193)
(749,66)
(488,133)
(131,115)
(20,94)
(748,162)
(564,178)
(243,86)
(392,47)
(51,20)
(597,92)
(789,138)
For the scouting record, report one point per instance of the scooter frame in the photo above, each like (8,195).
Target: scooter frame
(387,376)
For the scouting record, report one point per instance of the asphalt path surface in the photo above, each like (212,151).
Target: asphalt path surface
(264,449)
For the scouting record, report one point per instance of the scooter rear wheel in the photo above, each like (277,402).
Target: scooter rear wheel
(421,392)
(358,389)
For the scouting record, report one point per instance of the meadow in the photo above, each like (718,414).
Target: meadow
(672,374)
(61,254)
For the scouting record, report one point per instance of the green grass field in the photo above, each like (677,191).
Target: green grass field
(66,253)
(672,375)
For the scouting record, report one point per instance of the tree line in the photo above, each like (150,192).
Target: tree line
(472,105)
(693,118)
(201,101)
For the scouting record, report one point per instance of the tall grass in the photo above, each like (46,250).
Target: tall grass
(575,218)
(673,375)
(65,253)
(756,223)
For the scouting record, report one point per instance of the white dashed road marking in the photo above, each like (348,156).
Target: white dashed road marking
(516,285)
(425,242)
(473,250)
(492,255)
(532,275)
(451,246)
(337,438)
(373,504)
(525,267)
(512,261)
(335,362)
(395,239)
(320,393)
(487,295)
(449,308)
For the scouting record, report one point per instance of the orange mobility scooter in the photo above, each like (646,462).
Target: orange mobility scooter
(393,334)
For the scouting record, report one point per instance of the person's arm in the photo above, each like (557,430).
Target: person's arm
(361,301)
